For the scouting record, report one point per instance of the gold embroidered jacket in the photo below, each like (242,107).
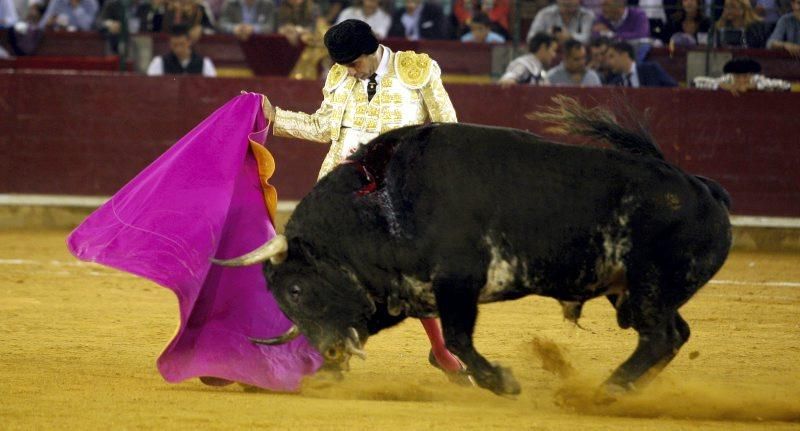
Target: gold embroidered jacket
(411,92)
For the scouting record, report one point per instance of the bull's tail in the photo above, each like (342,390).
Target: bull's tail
(568,116)
(717,191)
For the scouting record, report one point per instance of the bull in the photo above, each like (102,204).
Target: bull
(433,220)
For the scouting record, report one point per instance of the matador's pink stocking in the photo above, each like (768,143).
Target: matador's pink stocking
(446,360)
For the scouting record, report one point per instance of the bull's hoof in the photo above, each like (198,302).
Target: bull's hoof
(506,383)
(460,377)
(610,392)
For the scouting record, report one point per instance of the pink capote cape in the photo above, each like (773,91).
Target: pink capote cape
(205,197)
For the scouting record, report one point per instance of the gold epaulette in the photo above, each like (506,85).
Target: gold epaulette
(414,70)
(336,77)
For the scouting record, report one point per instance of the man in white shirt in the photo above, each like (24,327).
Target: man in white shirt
(572,71)
(181,59)
(566,20)
(370,13)
(532,68)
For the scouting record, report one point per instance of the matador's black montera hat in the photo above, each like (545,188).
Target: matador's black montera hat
(349,40)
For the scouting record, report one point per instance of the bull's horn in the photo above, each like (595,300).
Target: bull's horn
(287,336)
(275,250)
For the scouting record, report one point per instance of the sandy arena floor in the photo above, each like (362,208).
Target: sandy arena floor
(78,345)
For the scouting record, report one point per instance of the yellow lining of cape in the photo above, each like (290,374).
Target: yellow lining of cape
(266,167)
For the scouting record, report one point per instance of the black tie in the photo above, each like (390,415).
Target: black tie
(372,86)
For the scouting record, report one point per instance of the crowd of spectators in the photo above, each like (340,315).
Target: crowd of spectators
(586,33)
(748,23)
(606,63)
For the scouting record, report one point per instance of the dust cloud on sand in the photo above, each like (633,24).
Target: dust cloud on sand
(680,400)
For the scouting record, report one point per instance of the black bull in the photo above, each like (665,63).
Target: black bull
(433,220)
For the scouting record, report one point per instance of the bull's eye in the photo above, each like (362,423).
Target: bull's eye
(294,292)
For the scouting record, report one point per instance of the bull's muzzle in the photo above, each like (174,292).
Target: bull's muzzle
(353,344)
(275,250)
(340,352)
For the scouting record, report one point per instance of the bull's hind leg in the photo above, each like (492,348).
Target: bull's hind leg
(457,301)
(661,333)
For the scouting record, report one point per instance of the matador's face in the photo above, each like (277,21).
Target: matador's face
(363,67)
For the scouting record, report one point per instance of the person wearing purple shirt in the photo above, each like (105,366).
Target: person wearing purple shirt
(70,14)
(621,22)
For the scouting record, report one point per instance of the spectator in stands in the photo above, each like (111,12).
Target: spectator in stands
(298,19)
(370,12)
(596,6)
(498,12)
(481,31)
(572,71)
(193,14)
(182,59)
(151,16)
(713,9)
(331,9)
(787,31)
(110,18)
(69,15)
(741,75)
(689,21)
(36,9)
(629,73)
(21,8)
(8,14)
(530,68)
(597,58)
(419,20)
(740,27)
(656,17)
(244,18)
(314,57)
(565,20)
(768,10)
(621,22)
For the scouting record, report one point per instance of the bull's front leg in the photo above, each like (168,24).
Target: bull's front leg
(457,301)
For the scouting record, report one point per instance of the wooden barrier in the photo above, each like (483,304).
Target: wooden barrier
(775,63)
(88,134)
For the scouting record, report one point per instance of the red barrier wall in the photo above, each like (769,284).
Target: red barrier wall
(90,133)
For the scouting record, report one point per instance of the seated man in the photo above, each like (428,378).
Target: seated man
(69,14)
(481,31)
(566,20)
(530,68)
(182,59)
(419,20)
(597,58)
(629,73)
(787,32)
(370,12)
(111,18)
(244,18)
(741,75)
(621,22)
(572,70)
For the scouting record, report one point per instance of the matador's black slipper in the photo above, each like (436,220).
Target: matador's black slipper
(460,377)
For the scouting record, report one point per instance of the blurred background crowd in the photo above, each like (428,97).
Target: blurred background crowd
(566,42)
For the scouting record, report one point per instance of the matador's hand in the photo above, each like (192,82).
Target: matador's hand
(266,106)
(269,110)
